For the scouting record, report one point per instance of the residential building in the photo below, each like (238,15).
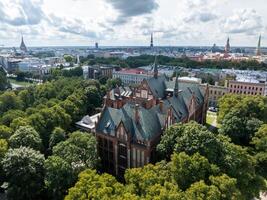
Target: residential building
(132,76)
(215,93)
(133,119)
(247,87)
(97,71)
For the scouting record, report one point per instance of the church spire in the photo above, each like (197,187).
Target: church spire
(151,41)
(22,45)
(227,46)
(258,52)
(156,67)
(176,86)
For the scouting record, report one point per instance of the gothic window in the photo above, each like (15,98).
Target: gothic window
(144,93)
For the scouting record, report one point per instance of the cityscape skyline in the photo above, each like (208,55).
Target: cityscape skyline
(115,23)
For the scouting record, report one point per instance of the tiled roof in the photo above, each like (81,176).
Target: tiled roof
(151,121)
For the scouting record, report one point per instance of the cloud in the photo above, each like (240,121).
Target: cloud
(131,8)
(201,16)
(21,12)
(245,21)
(77,27)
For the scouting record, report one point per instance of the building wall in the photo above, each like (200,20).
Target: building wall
(247,88)
(215,93)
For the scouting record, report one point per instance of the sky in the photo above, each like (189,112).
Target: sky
(130,22)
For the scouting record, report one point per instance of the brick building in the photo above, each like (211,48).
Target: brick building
(133,119)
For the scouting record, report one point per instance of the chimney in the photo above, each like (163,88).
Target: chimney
(161,106)
(136,113)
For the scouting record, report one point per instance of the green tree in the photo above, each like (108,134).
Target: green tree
(239,127)
(189,169)
(5,132)
(58,135)
(25,136)
(112,83)
(260,147)
(79,150)
(4,83)
(227,187)
(201,191)
(10,115)
(3,151)
(58,177)
(9,100)
(94,186)
(24,169)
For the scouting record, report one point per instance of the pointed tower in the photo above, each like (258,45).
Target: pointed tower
(227,46)
(258,51)
(176,86)
(22,45)
(151,41)
(155,70)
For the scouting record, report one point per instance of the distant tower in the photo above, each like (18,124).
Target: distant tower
(258,51)
(227,46)
(155,70)
(151,41)
(22,45)
(96,45)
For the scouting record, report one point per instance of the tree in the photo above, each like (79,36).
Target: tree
(190,138)
(5,132)
(190,169)
(4,83)
(93,98)
(68,58)
(201,191)
(58,135)
(26,136)
(79,150)
(3,151)
(10,115)
(24,169)
(260,147)
(112,83)
(232,159)
(58,177)
(239,127)
(9,101)
(94,186)
(227,187)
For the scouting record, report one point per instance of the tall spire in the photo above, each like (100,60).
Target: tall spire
(227,46)
(258,52)
(156,67)
(22,45)
(151,41)
(176,86)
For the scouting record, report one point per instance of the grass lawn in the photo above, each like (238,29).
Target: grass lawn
(20,83)
(211,120)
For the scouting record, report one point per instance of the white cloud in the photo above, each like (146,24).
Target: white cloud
(130,22)
(246,21)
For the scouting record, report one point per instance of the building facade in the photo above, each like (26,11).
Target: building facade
(131,76)
(215,93)
(246,88)
(133,119)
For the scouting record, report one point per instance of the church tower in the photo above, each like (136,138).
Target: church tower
(156,68)
(227,46)
(258,51)
(22,45)
(151,41)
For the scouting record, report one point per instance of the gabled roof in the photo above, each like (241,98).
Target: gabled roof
(157,86)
